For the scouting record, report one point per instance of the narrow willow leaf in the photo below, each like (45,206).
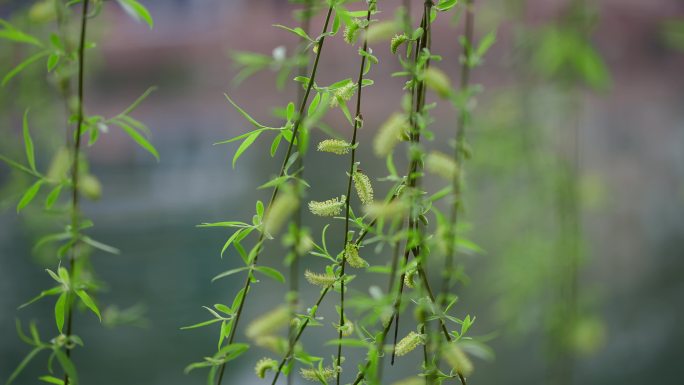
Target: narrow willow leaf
(297,31)
(23,364)
(230,272)
(271,272)
(60,309)
(85,298)
(101,246)
(20,67)
(53,196)
(18,166)
(201,324)
(45,293)
(29,195)
(314,105)
(67,366)
(135,105)
(245,145)
(13,34)
(51,380)
(244,113)
(138,138)
(28,143)
(137,11)
(275,144)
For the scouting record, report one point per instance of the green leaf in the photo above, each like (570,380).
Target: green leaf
(138,138)
(60,309)
(445,5)
(20,67)
(314,105)
(290,111)
(101,246)
(245,145)
(29,194)
(23,364)
(67,366)
(137,11)
(52,61)
(271,272)
(244,113)
(201,324)
(28,143)
(13,34)
(230,272)
(275,144)
(297,31)
(51,380)
(486,43)
(45,293)
(53,196)
(85,298)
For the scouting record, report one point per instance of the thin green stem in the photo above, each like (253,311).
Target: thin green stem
(295,131)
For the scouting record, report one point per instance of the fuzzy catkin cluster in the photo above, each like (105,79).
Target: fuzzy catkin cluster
(269,323)
(352,256)
(441,164)
(312,374)
(335,146)
(408,343)
(363,187)
(264,365)
(457,359)
(322,280)
(328,208)
(342,94)
(389,134)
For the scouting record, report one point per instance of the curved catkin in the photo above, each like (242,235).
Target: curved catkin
(342,94)
(391,210)
(335,146)
(351,31)
(281,209)
(269,322)
(312,374)
(389,134)
(352,256)
(457,359)
(322,280)
(441,164)
(410,277)
(328,208)
(264,365)
(347,329)
(408,343)
(397,40)
(363,187)
(438,81)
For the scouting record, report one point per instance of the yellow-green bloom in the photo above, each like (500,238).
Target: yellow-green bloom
(438,81)
(408,343)
(283,206)
(352,256)
(363,186)
(457,359)
(312,374)
(329,208)
(342,94)
(335,146)
(269,323)
(264,365)
(389,134)
(441,164)
(397,40)
(323,280)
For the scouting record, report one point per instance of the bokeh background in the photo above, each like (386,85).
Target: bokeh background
(594,150)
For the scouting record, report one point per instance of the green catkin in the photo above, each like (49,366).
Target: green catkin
(438,81)
(329,208)
(457,359)
(391,210)
(312,374)
(441,164)
(322,280)
(275,344)
(353,258)
(335,146)
(363,186)
(264,365)
(397,41)
(381,31)
(408,343)
(351,31)
(281,209)
(348,328)
(269,322)
(389,134)
(342,94)
(410,277)
(410,381)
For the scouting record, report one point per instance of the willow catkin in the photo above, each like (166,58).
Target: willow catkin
(408,343)
(352,256)
(389,134)
(457,359)
(441,164)
(269,322)
(328,208)
(264,365)
(282,208)
(363,187)
(322,280)
(335,146)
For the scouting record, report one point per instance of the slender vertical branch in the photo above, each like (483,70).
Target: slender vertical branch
(358,121)
(294,263)
(461,125)
(75,211)
(295,131)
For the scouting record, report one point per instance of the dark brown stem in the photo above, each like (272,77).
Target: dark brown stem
(295,131)
(75,214)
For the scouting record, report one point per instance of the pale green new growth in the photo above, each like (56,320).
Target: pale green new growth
(441,164)
(397,41)
(353,258)
(316,374)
